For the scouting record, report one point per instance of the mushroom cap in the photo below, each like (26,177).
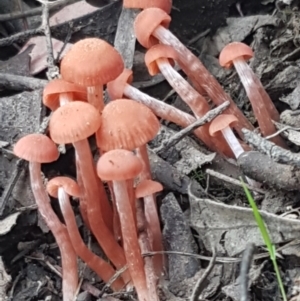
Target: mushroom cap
(69,185)
(233,51)
(126,124)
(118,165)
(116,87)
(73,122)
(57,86)
(221,122)
(146,22)
(157,52)
(165,5)
(91,62)
(147,187)
(36,148)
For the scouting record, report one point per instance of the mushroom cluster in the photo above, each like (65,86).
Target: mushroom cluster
(124,218)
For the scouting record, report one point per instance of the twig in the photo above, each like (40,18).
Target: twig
(232,181)
(244,272)
(21,83)
(209,116)
(202,281)
(275,152)
(34,12)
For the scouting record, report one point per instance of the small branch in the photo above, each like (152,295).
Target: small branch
(208,117)
(244,272)
(275,152)
(21,83)
(232,181)
(202,282)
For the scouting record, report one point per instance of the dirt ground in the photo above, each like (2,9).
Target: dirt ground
(203,208)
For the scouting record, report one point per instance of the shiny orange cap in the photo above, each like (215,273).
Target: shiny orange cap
(116,87)
(156,52)
(165,5)
(221,122)
(68,184)
(233,51)
(146,22)
(147,187)
(36,148)
(91,62)
(126,124)
(118,165)
(73,122)
(57,86)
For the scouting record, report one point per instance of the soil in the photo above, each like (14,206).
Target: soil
(200,213)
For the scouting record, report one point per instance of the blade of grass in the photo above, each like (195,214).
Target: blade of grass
(266,238)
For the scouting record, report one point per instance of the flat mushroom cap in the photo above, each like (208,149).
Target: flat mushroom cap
(233,51)
(165,5)
(116,87)
(126,124)
(118,165)
(147,187)
(146,22)
(91,62)
(57,86)
(157,52)
(221,122)
(36,148)
(73,122)
(69,185)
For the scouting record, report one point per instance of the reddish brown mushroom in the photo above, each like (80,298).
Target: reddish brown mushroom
(118,166)
(92,63)
(37,149)
(151,26)
(74,123)
(165,5)
(236,54)
(62,188)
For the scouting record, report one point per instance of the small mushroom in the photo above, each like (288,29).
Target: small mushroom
(118,166)
(165,5)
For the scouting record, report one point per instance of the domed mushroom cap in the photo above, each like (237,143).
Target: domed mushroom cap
(147,187)
(165,5)
(157,52)
(221,122)
(68,184)
(115,88)
(233,51)
(146,22)
(57,86)
(126,124)
(36,148)
(91,62)
(118,165)
(73,122)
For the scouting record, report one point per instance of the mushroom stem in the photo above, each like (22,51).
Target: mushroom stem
(96,263)
(151,214)
(195,101)
(151,277)
(232,141)
(200,76)
(65,98)
(130,241)
(95,97)
(68,255)
(258,105)
(102,233)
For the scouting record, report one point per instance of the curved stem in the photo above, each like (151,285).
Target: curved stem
(59,231)
(95,97)
(102,233)
(96,263)
(200,76)
(130,241)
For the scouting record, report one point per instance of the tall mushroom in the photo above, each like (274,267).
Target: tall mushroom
(118,166)
(151,27)
(74,123)
(38,149)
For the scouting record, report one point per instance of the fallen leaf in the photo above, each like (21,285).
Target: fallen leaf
(7,223)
